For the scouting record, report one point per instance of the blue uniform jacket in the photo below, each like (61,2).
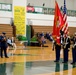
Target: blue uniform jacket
(3,43)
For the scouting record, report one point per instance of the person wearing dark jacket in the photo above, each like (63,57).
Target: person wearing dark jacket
(66,48)
(57,48)
(3,45)
(74,49)
(0,45)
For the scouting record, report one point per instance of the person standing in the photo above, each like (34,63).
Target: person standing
(74,49)
(57,50)
(66,48)
(4,45)
(0,45)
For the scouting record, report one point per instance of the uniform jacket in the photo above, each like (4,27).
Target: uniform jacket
(67,42)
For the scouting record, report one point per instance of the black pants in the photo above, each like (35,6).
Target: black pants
(74,55)
(65,55)
(57,48)
(3,49)
(0,51)
(57,54)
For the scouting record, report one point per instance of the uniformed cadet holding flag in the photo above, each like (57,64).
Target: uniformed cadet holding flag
(66,48)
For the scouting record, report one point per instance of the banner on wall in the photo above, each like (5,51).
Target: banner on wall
(30,9)
(19,20)
(34,9)
(5,7)
(39,10)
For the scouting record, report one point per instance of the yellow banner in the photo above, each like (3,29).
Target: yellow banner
(19,19)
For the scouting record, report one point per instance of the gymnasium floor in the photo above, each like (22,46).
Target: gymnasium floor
(35,61)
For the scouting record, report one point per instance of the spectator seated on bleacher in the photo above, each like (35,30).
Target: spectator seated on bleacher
(9,42)
(43,41)
(49,36)
(13,43)
(42,34)
(38,39)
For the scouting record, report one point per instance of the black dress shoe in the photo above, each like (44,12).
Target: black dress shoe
(6,57)
(56,61)
(1,57)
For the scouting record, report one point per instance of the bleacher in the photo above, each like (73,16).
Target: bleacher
(9,32)
(35,29)
(6,28)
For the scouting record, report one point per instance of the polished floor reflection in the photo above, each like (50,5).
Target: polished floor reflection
(35,61)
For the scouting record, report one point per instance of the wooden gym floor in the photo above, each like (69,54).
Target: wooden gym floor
(35,61)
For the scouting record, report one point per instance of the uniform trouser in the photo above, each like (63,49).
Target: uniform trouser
(65,55)
(74,55)
(3,49)
(0,51)
(57,54)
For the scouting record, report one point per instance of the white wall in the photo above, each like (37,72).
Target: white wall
(6,14)
(39,2)
(69,4)
(51,3)
(35,19)
(41,19)
(38,19)
(74,5)
(4,20)
(6,1)
(5,17)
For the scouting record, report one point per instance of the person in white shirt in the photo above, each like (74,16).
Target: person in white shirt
(13,43)
(9,42)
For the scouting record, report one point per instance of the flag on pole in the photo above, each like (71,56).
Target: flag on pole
(65,27)
(58,23)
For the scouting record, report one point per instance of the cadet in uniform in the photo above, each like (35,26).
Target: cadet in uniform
(58,46)
(74,50)
(0,45)
(66,48)
(57,50)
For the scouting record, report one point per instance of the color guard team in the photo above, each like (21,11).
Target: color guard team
(65,45)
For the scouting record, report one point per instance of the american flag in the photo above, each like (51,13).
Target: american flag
(65,27)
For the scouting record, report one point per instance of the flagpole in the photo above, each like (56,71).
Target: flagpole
(65,27)
(64,4)
(65,7)
(55,1)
